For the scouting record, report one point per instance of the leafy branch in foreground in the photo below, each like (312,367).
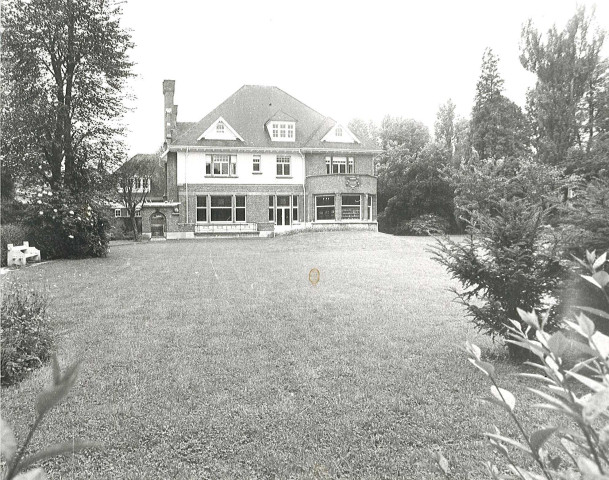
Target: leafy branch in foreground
(580,393)
(15,459)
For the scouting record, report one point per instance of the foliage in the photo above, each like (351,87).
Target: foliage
(580,394)
(498,127)
(585,217)
(427,224)
(567,103)
(26,331)
(63,225)
(46,400)
(416,187)
(14,233)
(133,180)
(510,260)
(64,70)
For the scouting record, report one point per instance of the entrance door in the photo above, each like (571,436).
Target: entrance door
(283,210)
(157,224)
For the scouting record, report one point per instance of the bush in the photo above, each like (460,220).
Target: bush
(510,261)
(67,226)
(26,333)
(428,224)
(14,233)
(580,394)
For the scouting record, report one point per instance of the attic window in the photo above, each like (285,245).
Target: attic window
(220,128)
(282,131)
(339,132)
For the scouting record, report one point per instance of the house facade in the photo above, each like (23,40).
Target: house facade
(261,162)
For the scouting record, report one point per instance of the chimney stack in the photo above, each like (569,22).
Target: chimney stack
(171,110)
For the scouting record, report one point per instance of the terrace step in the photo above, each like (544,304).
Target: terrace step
(226,234)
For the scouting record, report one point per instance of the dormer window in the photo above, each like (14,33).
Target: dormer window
(338,132)
(282,131)
(220,128)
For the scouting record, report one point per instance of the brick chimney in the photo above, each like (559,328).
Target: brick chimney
(170,110)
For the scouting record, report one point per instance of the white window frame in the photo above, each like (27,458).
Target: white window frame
(339,162)
(138,214)
(204,208)
(231,207)
(220,159)
(117,213)
(282,131)
(369,206)
(244,208)
(283,160)
(333,206)
(220,128)
(256,164)
(294,207)
(338,132)
(328,165)
(350,165)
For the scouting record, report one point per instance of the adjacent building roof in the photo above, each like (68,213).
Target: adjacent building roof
(250,108)
(148,164)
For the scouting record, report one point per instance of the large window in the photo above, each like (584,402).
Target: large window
(283,166)
(240,208)
(351,207)
(324,207)
(202,208)
(340,165)
(220,165)
(221,208)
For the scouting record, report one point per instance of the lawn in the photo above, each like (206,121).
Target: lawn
(219,359)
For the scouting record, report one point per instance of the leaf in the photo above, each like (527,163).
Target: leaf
(602,278)
(504,396)
(8,445)
(499,403)
(51,396)
(591,256)
(600,343)
(442,462)
(558,344)
(588,382)
(509,441)
(603,437)
(530,318)
(36,474)
(536,376)
(473,350)
(591,280)
(56,370)
(486,367)
(59,449)
(586,325)
(595,311)
(596,404)
(598,263)
(539,437)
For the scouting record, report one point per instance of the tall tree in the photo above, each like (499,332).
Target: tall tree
(65,65)
(566,102)
(498,127)
(444,127)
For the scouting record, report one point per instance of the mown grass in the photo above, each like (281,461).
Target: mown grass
(218,359)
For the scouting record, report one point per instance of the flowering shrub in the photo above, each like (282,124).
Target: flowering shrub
(66,226)
(26,333)
(15,460)
(580,393)
(428,224)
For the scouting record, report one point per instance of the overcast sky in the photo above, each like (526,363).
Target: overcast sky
(345,59)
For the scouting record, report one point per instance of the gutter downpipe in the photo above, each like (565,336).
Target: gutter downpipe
(186,184)
(304,191)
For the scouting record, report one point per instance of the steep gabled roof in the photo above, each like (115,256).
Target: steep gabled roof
(250,108)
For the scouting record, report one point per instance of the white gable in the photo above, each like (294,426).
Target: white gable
(220,130)
(340,134)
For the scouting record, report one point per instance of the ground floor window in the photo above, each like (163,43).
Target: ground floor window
(294,208)
(370,207)
(324,207)
(221,208)
(202,208)
(271,208)
(351,207)
(240,208)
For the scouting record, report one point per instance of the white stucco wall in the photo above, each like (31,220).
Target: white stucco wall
(191,169)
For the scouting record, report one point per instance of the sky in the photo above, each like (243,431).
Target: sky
(345,59)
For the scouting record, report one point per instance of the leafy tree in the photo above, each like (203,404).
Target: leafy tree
(498,127)
(566,106)
(133,181)
(64,65)
(361,129)
(444,127)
